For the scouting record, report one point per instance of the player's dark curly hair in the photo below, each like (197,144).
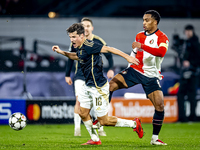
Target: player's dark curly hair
(154,14)
(78,27)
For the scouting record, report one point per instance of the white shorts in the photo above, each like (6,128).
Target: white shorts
(78,85)
(96,98)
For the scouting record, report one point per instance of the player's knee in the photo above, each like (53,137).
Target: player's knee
(159,106)
(83,115)
(112,86)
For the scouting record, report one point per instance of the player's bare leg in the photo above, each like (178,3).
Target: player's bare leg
(87,120)
(118,122)
(116,83)
(77,119)
(157,100)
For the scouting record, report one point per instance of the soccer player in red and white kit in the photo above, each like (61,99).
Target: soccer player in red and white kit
(149,48)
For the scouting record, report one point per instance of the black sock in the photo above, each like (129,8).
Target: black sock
(110,96)
(157,121)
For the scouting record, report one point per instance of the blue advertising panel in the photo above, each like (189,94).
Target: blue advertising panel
(10,106)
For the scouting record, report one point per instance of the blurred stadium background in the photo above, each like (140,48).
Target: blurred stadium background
(32,76)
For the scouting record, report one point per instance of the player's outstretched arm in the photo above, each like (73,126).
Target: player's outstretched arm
(130,59)
(71,55)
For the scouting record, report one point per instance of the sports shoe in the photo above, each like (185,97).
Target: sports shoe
(138,128)
(101,133)
(77,132)
(91,142)
(96,124)
(157,142)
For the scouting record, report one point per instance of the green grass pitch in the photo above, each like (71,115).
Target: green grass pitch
(178,136)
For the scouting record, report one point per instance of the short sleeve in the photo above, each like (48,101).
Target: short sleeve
(99,40)
(163,41)
(93,47)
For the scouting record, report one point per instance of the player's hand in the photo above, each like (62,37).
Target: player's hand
(68,80)
(186,64)
(136,45)
(110,74)
(133,60)
(56,48)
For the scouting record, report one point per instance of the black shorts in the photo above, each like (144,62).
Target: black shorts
(133,77)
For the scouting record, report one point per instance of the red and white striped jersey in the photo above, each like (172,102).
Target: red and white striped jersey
(151,54)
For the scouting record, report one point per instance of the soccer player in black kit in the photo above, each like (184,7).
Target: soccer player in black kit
(79,77)
(96,89)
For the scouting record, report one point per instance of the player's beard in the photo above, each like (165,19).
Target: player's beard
(145,29)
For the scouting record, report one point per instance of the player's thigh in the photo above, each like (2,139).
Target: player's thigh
(117,82)
(100,100)
(85,97)
(157,99)
(78,85)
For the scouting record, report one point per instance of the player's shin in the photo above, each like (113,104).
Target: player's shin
(125,123)
(77,123)
(110,96)
(77,120)
(157,123)
(92,132)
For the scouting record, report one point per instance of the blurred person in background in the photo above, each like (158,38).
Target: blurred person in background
(79,77)
(189,74)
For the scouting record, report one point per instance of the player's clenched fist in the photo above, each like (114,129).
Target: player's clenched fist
(55,48)
(136,45)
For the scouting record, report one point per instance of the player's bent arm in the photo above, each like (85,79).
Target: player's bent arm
(159,52)
(69,65)
(130,59)
(110,60)
(71,55)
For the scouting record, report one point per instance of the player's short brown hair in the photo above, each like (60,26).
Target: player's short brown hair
(78,27)
(87,19)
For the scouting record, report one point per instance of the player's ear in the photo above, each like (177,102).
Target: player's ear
(155,22)
(92,28)
(82,35)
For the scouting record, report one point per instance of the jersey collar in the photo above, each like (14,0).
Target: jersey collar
(151,33)
(82,44)
(92,37)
